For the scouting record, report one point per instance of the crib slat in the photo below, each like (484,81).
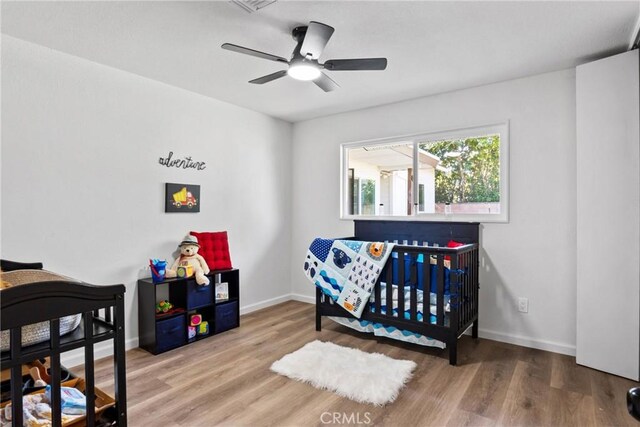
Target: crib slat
(468,293)
(465,284)
(462,314)
(378,288)
(426,287)
(16,376)
(88,367)
(413,311)
(468,277)
(401,276)
(440,291)
(476,286)
(119,363)
(472,287)
(389,300)
(54,335)
(456,297)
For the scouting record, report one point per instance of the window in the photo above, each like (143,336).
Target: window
(457,175)
(381,179)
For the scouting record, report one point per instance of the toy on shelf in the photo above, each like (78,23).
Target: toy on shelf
(191,332)
(203,328)
(163,306)
(222,291)
(195,319)
(184,271)
(158,269)
(189,258)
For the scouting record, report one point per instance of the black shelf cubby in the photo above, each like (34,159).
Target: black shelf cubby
(166,331)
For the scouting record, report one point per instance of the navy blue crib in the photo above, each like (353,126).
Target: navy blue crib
(449,273)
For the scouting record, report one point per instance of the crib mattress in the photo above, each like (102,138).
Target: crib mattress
(37,332)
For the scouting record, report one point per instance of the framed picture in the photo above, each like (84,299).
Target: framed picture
(181,198)
(222,291)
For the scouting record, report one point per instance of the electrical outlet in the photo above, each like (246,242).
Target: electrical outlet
(523,305)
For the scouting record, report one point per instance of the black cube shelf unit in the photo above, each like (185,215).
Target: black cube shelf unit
(166,331)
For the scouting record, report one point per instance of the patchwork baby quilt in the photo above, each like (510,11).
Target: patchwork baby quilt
(346,270)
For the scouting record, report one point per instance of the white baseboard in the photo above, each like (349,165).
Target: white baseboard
(264,304)
(103,349)
(530,342)
(303,298)
(494,335)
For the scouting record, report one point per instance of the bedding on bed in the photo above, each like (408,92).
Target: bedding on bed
(346,270)
(379,329)
(38,332)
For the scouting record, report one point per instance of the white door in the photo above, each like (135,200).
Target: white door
(608,215)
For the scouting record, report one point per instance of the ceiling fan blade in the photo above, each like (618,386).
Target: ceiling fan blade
(356,64)
(269,77)
(256,53)
(325,83)
(316,39)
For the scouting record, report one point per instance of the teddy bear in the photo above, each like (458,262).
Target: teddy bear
(189,256)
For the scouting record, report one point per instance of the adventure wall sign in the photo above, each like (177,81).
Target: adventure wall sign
(185,163)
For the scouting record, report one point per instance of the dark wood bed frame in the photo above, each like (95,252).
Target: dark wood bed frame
(102,308)
(463,278)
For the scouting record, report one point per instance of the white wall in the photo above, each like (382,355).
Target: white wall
(73,128)
(532,256)
(82,190)
(608,208)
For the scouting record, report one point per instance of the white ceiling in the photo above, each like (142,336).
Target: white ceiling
(432,47)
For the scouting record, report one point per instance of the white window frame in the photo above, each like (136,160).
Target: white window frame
(501,128)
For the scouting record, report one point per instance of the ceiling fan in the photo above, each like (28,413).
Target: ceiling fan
(304,64)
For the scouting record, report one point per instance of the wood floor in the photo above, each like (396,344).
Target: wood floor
(225,380)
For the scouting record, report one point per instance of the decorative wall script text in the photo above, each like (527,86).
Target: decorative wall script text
(186,163)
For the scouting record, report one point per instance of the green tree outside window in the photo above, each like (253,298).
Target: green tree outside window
(473,169)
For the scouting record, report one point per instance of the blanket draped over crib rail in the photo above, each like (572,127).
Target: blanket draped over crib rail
(346,270)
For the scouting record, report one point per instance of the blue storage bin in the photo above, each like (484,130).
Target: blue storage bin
(198,296)
(170,333)
(226,316)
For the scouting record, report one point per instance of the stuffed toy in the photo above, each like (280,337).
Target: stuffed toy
(189,257)
(163,306)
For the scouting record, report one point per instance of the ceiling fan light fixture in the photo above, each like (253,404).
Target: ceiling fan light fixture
(303,72)
(303,63)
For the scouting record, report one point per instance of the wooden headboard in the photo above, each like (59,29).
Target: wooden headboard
(432,232)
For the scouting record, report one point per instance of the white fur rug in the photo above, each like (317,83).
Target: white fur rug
(351,373)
